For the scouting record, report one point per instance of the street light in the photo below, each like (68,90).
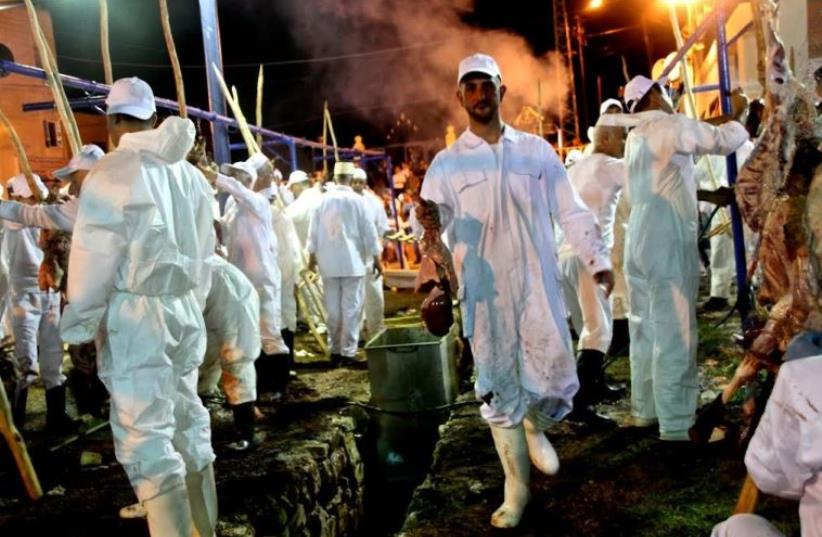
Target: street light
(594,4)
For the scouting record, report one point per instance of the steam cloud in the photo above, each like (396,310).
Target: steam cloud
(431,38)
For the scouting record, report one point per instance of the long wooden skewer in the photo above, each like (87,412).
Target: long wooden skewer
(331,130)
(259,118)
(325,141)
(175,61)
(54,80)
(22,158)
(108,73)
(17,446)
(238,113)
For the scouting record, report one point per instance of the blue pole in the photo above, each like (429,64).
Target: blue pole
(214,55)
(743,303)
(292,152)
(389,170)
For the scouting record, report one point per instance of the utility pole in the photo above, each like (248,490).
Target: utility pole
(568,124)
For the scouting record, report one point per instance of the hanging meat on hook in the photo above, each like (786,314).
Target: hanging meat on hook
(436,275)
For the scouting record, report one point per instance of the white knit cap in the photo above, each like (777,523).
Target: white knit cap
(344,168)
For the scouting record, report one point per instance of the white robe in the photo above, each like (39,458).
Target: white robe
(498,220)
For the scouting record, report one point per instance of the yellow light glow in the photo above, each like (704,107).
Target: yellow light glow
(680,2)
(595,4)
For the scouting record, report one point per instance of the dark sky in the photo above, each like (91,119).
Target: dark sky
(255,31)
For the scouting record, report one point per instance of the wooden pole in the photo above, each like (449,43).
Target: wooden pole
(22,158)
(172,54)
(104,48)
(331,130)
(54,80)
(17,446)
(238,114)
(748,497)
(325,140)
(259,118)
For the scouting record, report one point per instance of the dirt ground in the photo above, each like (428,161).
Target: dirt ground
(616,483)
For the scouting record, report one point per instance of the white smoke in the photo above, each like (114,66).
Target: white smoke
(426,39)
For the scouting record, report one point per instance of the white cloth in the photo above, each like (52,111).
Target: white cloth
(143,231)
(232,321)
(662,262)
(302,209)
(59,216)
(374,299)
(498,223)
(34,314)
(252,247)
(784,457)
(343,306)
(290,257)
(620,304)
(745,525)
(598,179)
(723,263)
(342,234)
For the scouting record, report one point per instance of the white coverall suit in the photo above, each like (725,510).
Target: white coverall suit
(137,282)
(232,322)
(598,179)
(342,235)
(374,303)
(252,247)
(496,208)
(302,209)
(784,457)
(35,314)
(662,260)
(723,264)
(290,257)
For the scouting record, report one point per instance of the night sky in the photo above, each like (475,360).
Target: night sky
(255,31)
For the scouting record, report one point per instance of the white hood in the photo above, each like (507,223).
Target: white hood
(171,141)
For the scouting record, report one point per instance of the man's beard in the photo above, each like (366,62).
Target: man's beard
(484,117)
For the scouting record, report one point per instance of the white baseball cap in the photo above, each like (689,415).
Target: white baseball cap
(608,103)
(297,177)
(84,160)
(343,168)
(359,173)
(243,166)
(257,160)
(638,87)
(479,63)
(20,187)
(131,96)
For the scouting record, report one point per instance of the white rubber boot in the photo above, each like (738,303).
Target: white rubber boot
(202,496)
(513,453)
(169,514)
(542,453)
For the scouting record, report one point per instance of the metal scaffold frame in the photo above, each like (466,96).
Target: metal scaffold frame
(716,19)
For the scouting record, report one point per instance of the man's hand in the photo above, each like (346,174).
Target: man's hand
(721,197)
(739,104)
(312,262)
(378,270)
(605,279)
(427,213)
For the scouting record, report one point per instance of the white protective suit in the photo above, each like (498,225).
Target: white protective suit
(662,260)
(232,322)
(143,231)
(290,257)
(598,179)
(723,265)
(784,457)
(302,209)
(374,301)
(35,314)
(342,235)
(252,247)
(496,208)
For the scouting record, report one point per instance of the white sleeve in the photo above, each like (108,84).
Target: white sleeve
(784,455)
(204,215)
(313,231)
(98,245)
(243,195)
(435,188)
(368,231)
(59,216)
(695,137)
(579,225)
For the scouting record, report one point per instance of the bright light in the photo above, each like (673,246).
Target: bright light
(680,2)
(595,4)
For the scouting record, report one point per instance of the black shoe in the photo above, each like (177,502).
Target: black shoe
(18,406)
(352,362)
(610,393)
(57,421)
(715,303)
(244,418)
(336,359)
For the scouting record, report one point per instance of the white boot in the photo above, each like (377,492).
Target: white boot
(202,496)
(513,453)
(542,453)
(169,514)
